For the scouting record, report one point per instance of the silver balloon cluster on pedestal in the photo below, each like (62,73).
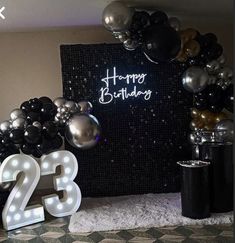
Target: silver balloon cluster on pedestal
(82,130)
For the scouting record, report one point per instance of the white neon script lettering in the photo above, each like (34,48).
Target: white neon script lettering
(124,93)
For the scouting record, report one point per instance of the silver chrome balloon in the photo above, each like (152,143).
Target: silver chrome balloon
(226,73)
(5,126)
(19,123)
(60,101)
(72,106)
(17,113)
(195,79)
(85,106)
(117,17)
(175,23)
(225,130)
(213,67)
(82,131)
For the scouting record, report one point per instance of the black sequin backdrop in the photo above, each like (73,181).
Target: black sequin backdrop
(144,135)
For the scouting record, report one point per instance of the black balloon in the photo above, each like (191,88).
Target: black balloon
(206,40)
(37,153)
(48,111)
(159,18)
(45,99)
(25,106)
(32,135)
(214,51)
(161,43)
(229,98)
(200,100)
(6,140)
(215,94)
(27,148)
(140,20)
(50,129)
(17,136)
(36,105)
(32,117)
(57,142)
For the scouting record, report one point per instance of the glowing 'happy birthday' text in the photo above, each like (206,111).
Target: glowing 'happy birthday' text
(130,80)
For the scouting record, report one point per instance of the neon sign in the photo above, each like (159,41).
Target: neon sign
(125,82)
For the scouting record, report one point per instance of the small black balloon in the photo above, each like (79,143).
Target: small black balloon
(200,100)
(214,51)
(45,99)
(37,153)
(50,129)
(32,117)
(17,136)
(6,140)
(32,135)
(57,142)
(215,94)
(159,18)
(229,98)
(161,43)
(3,148)
(48,111)
(27,148)
(25,106)
(216,108)
(140,20)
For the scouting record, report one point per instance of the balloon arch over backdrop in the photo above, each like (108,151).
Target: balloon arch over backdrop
(206,74)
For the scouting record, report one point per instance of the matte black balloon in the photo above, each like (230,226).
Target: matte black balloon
(206,40)
(48,111)
(161,43)
(45,99)
(215,94)
(45,146)
(6,140)
(50,129)
(32,135)
(27,148)
(17,136)
(229,98)
(159,18)
(32,117)
(216,108)
(25,106)
(3,148)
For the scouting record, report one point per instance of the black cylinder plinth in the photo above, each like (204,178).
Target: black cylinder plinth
(221,174)
(195,196)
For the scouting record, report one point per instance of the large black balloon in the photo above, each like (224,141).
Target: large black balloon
(17,136)
(214,51)
(161,43)
(229,98)
(50,129)
(45,99)
(25,106)
(159,18)
(48,111)
(32,135)
(139,20)
(35,105)
(33,116)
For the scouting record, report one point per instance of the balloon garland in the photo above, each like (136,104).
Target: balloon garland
(206,75)
(39,125)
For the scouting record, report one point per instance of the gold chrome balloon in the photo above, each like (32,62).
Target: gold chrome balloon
(220,116)
(192,48)
(207,117)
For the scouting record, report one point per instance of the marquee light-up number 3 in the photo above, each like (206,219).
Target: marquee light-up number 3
(15,213)
(71,192)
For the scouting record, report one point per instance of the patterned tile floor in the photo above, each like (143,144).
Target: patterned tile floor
(55,230)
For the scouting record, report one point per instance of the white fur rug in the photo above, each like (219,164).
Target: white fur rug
(137,211)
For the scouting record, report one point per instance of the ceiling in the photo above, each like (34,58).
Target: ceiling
(42,14)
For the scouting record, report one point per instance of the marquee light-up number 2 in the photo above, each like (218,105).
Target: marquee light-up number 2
(15,213)
(71,200)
